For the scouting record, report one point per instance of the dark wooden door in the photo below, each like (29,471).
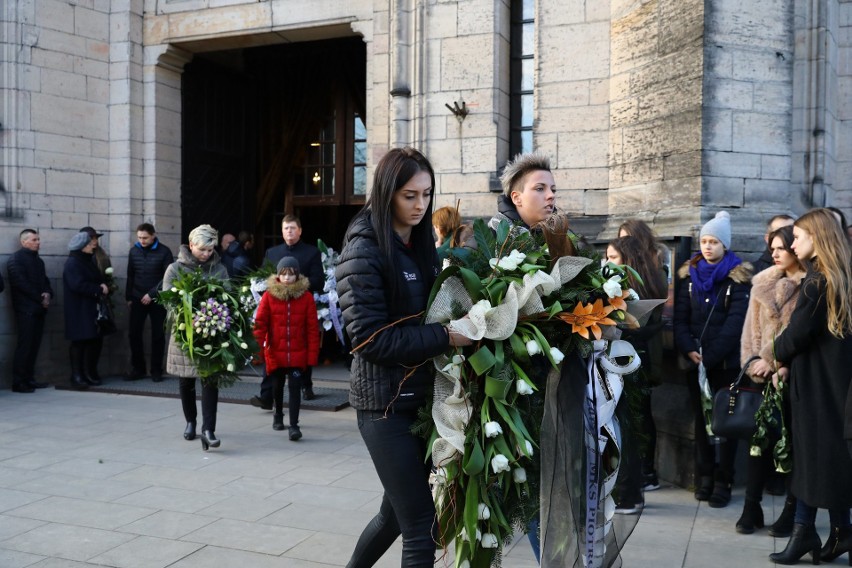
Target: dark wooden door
(219,126)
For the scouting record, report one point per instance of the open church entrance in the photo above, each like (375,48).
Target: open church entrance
(274,130)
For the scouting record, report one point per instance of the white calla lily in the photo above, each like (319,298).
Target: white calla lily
(612,287)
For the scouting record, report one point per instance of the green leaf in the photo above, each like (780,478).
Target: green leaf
(471,508)
(497,388)
(485,241)
(472,283)
(496,290)
(474,458)
(482,360)
(519,349)
(503,233)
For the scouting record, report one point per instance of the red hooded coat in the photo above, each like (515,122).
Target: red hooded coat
(286,325)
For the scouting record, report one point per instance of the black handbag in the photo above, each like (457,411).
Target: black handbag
(105,319)
(734,408)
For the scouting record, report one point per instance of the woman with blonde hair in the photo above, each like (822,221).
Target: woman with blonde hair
(815,352)
(200,253)
(774,293)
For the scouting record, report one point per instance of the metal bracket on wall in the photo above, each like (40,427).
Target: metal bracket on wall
(459,109)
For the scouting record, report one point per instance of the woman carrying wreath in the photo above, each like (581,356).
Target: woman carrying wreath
(199,254)
(384,275)
(815,351)
(774,294)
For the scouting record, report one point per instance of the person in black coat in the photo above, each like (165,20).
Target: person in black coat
(84,287)
(815,354)
(146,264)
(765,260)
(709,314)
(31,295)
(385,273)
(310,264)
(235,258)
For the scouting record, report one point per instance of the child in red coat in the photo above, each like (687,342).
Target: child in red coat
(286,327)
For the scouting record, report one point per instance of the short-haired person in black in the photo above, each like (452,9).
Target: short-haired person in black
(385,273)
(146,264)
(31,296)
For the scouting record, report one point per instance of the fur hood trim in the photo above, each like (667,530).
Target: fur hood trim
(740,274)
(287,291)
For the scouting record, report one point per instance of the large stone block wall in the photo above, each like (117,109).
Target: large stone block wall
(748,116)
(655,114)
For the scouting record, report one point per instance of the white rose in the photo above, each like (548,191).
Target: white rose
(483,513)
(225,345)
(612,287)
(213,332)
(180,292)
(243,346)
(182,326)
(522,387)
(557,355)
(208,347)
(533,348)
(489,541)
(230,367)
(755,451)
(108,271)
(519,474)
(174,289)
(239,334)
(492,429)
(500,463)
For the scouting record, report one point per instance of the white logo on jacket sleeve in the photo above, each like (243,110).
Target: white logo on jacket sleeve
(409,276)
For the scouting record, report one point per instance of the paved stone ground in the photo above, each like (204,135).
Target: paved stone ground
(97,479)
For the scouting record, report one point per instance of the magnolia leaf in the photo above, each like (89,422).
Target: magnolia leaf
(502,233)
(482,360)
(497,388)
(496,290)
(471,509)
(485,241)
(472,284)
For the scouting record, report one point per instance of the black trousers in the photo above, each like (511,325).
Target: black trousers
(138,313)
(267,384)
(209,403)
(407,507)
(30,331)
(706,464)
(294,389)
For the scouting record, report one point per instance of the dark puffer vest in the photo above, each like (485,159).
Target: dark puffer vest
(380,365)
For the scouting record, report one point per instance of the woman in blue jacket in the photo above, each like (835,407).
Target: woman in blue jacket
(385,273)
(710,310)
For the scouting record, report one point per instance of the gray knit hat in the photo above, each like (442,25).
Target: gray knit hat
(719,227)
(79,241)
(288,262)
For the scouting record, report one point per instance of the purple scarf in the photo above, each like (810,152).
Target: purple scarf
(706,276)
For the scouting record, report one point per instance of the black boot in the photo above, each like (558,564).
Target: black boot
(189,432)
(90,362)
(838,543)
(705,488)
(783,525)
(278,421)
(804,539)
(209,440)
(76,354)
(721,495)
(752,517)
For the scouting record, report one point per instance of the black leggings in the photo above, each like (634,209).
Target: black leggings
(294,389)
(209,403)
(705,450)
(407,506)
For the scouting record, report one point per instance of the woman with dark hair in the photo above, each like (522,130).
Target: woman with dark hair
(647,240)
(773,296)
(815,351)
(638,471)
(385,273)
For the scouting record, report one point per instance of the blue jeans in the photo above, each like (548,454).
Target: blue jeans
(407,507)
(806,515)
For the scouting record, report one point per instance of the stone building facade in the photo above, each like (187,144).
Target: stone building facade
(666,110)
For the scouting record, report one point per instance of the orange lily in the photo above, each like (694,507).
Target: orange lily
(588,317)
(619,302)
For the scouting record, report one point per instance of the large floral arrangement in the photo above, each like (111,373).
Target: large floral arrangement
(328,305)
(211,325)
(526,300)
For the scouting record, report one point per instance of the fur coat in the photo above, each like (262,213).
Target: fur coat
(773,297)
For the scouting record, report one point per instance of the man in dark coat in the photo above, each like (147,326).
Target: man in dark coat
(310,265)
(146,264)
(236,257)
(31,295)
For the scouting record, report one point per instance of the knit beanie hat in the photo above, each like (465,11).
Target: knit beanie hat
(719,227)
(79,241)
(288,262)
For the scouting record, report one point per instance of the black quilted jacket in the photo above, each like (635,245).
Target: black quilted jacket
(379,367)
